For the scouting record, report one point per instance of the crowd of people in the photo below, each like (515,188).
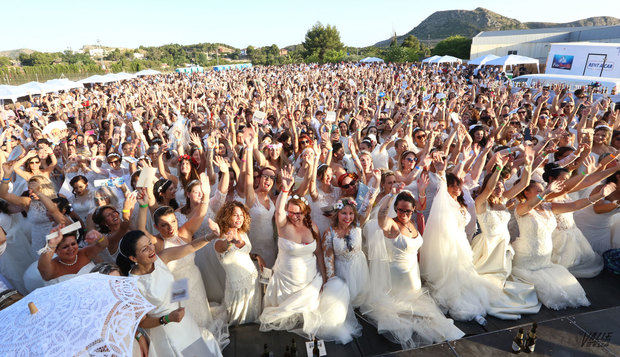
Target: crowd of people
(296,197)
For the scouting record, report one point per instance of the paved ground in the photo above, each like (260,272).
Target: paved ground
(588,331)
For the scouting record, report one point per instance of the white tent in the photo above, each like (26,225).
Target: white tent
(35,88)
(147,72)
(512,60)
(430,59)
(11,92)
(482,60)
(62,84)
(446,59)
(97,78)
(371,60)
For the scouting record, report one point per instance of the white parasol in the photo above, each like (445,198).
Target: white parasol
(91,314)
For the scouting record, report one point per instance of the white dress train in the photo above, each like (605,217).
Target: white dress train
(294,301)
(242,296)
(492,256)
(572,250)
(175,338)
(197,305)
(446,261)
(556,287)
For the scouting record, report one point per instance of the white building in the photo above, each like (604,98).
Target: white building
(537,42)
(96,52)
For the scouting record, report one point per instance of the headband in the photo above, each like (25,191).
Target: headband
(341,203)
(161,188)
(295,197)
(602,126)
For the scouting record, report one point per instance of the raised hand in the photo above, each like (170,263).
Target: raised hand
(53,243)
(286,175)
(423,182)
(608,189)
(92,237)
(555,187)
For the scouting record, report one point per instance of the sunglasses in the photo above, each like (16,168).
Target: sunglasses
(420,136)
(271,177)
(294,213)
(404,211)
(349,185)
(520,112)
(35,162)
(515,123)
(410,159)
(113,162)
(303,142)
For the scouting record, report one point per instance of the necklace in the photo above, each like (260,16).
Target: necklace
(69,264)
(405,225)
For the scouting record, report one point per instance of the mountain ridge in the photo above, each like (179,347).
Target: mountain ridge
(468,23)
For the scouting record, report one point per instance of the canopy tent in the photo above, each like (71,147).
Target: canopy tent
(193,69)
(34,88)
(479,61)
(11,92)
(512,60)
(147,72)
(225,67)
(371,60)
(62,84)
(97,78)
(432,58)
(446,59)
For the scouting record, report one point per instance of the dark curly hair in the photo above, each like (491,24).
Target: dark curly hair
(223,218)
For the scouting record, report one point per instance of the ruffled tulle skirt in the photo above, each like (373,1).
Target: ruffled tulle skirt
(572,250)
(354,272)
(338,322)
(555,286)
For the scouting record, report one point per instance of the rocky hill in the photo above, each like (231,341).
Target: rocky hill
(442,24)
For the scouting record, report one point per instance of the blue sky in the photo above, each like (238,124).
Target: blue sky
(53,25)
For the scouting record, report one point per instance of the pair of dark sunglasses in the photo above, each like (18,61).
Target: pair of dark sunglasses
(349,185)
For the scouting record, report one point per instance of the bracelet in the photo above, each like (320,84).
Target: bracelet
(6,179)
(162,320)
(584,173)
(138,336)
(540,197)
(101,239)
(283,191)
(510,152)
(417,167)
(498,168)
(126,211)
(612,156)
(144,206)
(167,318)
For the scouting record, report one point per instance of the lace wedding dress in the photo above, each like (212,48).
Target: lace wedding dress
(350,263)
(492,257)
(572,250)
(261,232)
(174,339)
(242,295)
(556,287)
(294,301)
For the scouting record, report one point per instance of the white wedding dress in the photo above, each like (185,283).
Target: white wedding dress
(294,301)
(261,232)
(397,304)
(572,250)
(197,305)
(492,256)
(176,338)
(350,263)
(324,199)
(596,227)
(242,296)
(447,261)
(556,287)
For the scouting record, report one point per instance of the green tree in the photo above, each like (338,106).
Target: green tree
(412,42)
(5,61)
(320,39)
(457,46)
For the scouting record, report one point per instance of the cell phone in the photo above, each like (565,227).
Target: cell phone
(527,134)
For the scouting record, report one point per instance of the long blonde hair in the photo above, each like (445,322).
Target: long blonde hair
(45,185)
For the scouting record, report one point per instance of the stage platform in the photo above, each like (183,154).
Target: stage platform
(587,331)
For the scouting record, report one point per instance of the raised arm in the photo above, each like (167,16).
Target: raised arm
(287,184)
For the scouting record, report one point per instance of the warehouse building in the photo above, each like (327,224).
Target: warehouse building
(536,43)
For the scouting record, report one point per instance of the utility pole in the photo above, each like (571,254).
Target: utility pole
(100,58)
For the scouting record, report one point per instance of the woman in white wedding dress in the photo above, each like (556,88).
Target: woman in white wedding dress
(293,300)
(446,259)
(171,235)
(595,222)
(556,287)
(571,249)
(492,252)
(397,304)
(261,207)
(342,247)
(171,331)
(242,296)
